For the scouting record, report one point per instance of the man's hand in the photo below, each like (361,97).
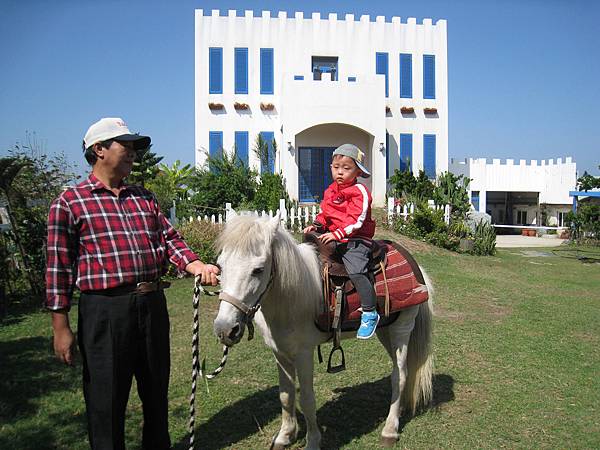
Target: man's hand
(327,238)
(309,228)
(64,340)
(207,272)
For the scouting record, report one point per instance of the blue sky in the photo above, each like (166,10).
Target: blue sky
(524,75)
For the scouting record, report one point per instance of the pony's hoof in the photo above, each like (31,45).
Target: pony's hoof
(276,446)
(387,441)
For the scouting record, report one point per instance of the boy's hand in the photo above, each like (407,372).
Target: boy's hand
(309,229)
(327,238)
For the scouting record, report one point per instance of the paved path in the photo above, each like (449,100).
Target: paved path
(508,241)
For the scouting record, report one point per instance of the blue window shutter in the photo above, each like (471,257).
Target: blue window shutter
(475,200)
(215,144)
(298,77)
(428,76)
(406,145)
(405,75)
(381,68)
(429,155)
(351,79)
(266,71)
(241,146)
(268,137)
(215,70)
(241,70)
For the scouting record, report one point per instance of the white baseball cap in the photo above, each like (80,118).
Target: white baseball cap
(113,128)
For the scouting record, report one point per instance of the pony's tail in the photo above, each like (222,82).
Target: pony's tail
(419,383)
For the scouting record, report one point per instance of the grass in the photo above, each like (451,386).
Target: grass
(517,346)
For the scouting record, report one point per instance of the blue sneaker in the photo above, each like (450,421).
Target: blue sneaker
(368,324)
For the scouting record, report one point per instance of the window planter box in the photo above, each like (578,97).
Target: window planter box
(407,110)
(215,106)
(430,110)
(267,106)
(388,110)
(241,106)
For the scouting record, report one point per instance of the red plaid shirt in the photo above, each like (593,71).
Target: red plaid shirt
(98,240)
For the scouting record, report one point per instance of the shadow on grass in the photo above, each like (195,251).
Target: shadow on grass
(357,411)
(237,421)
(364,407)
(29,372)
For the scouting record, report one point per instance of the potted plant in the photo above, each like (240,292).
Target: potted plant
(407,110)
(267,106)
(241,106)
(430,110)
(213,106)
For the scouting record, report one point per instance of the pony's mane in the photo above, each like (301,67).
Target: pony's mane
(246,234)
(296,271)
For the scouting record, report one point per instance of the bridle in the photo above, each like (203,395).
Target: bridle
(248,311)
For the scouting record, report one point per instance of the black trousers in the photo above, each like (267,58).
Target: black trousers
(121,337)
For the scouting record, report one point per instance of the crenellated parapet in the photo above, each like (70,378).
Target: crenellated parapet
(331,18)
(512,162)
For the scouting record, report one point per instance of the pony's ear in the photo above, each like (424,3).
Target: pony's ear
(274,222)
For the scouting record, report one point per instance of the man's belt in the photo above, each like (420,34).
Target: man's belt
(144,287)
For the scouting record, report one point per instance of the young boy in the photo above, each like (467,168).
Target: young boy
(346,218)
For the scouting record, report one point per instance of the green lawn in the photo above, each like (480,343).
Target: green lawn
(517,345)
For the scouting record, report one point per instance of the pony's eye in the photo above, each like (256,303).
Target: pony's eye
(258,271)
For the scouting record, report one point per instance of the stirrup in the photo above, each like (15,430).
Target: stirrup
(341,366)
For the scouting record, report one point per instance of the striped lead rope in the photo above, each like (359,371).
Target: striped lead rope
(196,369)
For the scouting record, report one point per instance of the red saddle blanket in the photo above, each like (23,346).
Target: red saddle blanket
(405,287)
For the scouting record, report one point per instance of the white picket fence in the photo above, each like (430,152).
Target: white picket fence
(407,210)
(293,219)
(296,219)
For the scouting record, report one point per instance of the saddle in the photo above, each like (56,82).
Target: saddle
(331,260)
(398,283)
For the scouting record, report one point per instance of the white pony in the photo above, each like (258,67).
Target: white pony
(262,265)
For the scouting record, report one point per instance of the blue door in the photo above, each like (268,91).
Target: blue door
(314,172)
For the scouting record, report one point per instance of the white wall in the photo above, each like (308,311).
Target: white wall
(552,179)
(302,104)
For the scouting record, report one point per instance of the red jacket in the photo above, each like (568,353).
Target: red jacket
(346,211)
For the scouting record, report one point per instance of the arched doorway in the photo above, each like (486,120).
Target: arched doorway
(315,146)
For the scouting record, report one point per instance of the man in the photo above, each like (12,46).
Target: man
(111,241)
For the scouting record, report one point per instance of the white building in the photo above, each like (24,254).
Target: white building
(311,84)
(520,194)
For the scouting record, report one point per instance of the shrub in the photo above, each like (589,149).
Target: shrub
(414,189)
(226,180)
(485,239)
(428,225)
(460,229)
(200,236)
(270,189)
(452,190)
(585,223)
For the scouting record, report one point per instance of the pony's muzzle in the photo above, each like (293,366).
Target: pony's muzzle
(229,336)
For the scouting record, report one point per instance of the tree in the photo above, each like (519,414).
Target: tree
(171,184)
(145,167)
(9,169)
(588,182)
(30,180)
(261,150)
